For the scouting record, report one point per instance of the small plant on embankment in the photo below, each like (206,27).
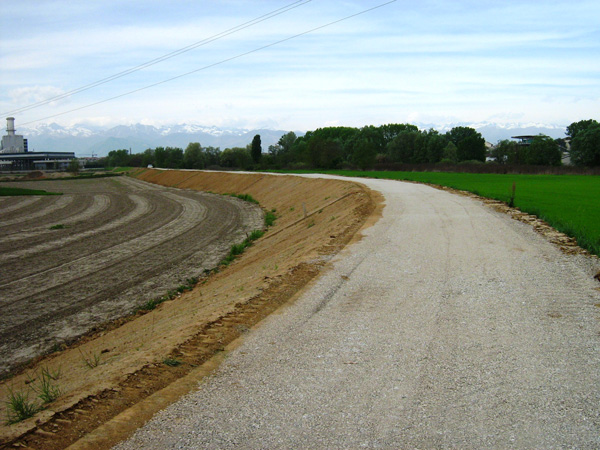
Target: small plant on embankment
(238,249)
(245,197)
(270,218)
(170,295)
(47,391)
(172,362)
(91,360)
(19,407)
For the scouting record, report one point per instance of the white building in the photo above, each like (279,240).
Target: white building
(11,142)
(14,155)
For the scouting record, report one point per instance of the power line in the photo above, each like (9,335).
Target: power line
(170,55)
(217,63)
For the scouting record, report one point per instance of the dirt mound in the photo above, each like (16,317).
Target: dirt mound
(315,219)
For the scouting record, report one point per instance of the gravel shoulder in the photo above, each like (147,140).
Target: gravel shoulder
(449,325)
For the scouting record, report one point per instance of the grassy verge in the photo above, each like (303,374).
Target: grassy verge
(569,203)
(10,191)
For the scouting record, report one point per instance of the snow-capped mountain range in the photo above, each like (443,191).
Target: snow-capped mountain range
(87,140)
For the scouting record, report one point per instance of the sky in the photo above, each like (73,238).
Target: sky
(434,62)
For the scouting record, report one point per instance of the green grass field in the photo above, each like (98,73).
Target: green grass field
(569,203)
(10,191)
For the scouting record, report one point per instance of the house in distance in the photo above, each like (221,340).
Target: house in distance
(15,155)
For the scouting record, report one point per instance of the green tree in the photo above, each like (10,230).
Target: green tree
(118,158)
(543,151)
(435,144)
(577,127)
(585,146)
(469,143)
(73,166)
(402,147)
(256,150)
(173,158)
(148,158)
(236,157)
(451,152)
(193,156)
(364,153)
(212,156)
(505,152)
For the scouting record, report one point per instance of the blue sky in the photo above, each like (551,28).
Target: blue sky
(431,62)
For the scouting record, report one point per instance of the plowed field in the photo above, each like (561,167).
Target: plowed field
(71,262)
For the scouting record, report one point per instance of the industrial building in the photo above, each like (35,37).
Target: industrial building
(15,157)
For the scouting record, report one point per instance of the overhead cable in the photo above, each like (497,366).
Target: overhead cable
(312,30)
(170,55)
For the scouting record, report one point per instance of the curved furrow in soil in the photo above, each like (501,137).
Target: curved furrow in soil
(12,209)
(85,209)
(57,203)
(78,268)
(141,208)
(150,212)
(106,231)
(107,293)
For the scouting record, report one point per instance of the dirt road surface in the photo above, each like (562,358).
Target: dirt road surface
(120,242)
(449,325)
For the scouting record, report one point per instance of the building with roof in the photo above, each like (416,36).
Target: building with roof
(15,155)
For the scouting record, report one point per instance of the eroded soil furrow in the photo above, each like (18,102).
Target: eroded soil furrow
(57,290)
(56,204)
(8,207)
(81,212)
(104,295)
(140,207)
(77,269)
(145,215)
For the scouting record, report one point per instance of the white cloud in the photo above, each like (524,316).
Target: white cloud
(463,60)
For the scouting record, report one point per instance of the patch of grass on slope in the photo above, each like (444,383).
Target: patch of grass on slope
(569,203)
(10,191)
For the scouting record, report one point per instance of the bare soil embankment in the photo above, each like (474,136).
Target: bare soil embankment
(316,218)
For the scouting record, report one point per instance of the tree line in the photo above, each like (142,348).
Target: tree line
(363,148)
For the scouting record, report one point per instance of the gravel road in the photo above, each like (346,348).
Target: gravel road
(448,325)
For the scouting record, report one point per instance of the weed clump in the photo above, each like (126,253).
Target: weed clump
(172,362)
(245,197)
(19,407)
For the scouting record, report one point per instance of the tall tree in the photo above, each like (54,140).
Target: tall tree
(469,143)
(585,146)
(193,157)
(256,150)
(576,127)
